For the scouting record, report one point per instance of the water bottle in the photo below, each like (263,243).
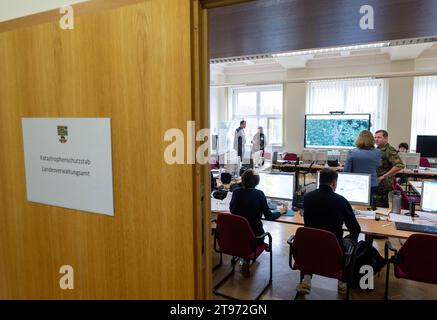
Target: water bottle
(397,199)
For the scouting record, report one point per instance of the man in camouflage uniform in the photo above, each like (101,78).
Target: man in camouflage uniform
(391,164)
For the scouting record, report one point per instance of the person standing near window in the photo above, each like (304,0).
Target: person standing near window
(240,139)
(258,141)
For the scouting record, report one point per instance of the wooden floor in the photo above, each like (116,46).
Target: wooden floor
(285,279)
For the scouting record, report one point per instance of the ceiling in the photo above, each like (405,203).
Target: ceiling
(420,51)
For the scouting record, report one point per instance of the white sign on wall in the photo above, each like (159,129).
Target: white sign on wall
(68,163)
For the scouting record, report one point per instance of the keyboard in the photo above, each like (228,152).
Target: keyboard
(416,227)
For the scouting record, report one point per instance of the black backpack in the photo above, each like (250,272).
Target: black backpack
(365,254)
(219,194)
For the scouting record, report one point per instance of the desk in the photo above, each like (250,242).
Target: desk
(421,173)
(368,227)
(303,167)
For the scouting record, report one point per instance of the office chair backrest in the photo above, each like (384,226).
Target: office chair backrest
(308,156)
(317,251)
(235,236)
(290,157)
(424,162)
(417,258)
(343,156)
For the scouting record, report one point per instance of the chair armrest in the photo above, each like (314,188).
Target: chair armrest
(265,234)
(290,254)
(290,240)
(215,232)
(389,247)
(261,237)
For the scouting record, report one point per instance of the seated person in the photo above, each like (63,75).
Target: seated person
(403,147)
(251,204)
(326,210)
(226,180)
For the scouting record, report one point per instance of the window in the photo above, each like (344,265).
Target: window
(424,118)
(259,106)
(350,96)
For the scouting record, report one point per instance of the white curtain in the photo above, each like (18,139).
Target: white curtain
(424,117)
(350,96)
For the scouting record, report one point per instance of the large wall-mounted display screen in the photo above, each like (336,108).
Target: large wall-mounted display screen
(334,131)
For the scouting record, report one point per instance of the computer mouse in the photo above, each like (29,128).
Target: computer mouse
(377,218)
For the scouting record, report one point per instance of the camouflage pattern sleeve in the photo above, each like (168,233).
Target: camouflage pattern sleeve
(394,158)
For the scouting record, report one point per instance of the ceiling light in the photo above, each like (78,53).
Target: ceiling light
(332,49)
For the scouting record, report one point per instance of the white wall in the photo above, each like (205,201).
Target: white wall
(400,97)
(11,9)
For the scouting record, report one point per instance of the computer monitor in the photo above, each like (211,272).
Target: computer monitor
(308,156)
(257,158)
(233,166)
(410,160)
(277,185)
(343,156)
(355,187)
(429,196)
(427,146)
(322,156)
(275,157)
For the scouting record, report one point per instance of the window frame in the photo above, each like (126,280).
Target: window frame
(268,116)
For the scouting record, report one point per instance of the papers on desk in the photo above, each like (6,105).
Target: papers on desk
(423,218)
(427,215)
(221,205)
(365,214)
(400,218)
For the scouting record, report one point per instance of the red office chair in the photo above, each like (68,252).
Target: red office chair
(235,237)
(317,251)
(290,157)
(424,162)
(406,198)
(416,260)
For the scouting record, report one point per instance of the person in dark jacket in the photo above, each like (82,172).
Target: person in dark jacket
(251,204)
(240,140)
(324,209)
